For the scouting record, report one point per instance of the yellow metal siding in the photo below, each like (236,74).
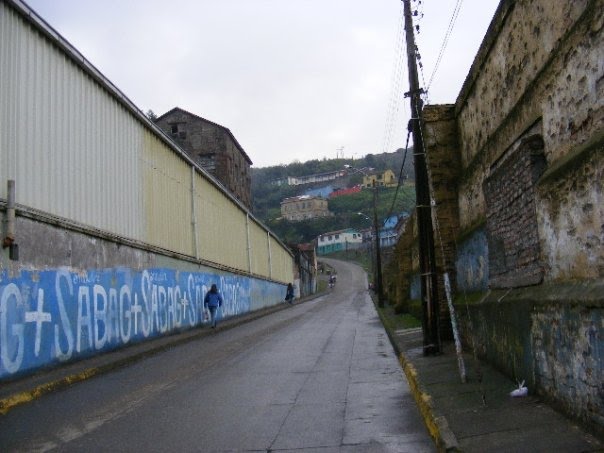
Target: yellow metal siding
(259,249)
(79,150)
(167,198)
(221,226)
(283,264)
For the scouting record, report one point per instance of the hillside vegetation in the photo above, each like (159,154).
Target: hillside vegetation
(267,196)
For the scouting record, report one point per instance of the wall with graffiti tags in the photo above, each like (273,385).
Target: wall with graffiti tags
(54,316)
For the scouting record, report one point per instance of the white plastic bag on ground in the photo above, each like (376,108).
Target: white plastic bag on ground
(520,391)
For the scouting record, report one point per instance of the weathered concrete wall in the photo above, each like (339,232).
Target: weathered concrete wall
(530,120)
(530,202)
(570,218)
(541,60)
(73,294)
(549,336)
(443,165)
(404,264)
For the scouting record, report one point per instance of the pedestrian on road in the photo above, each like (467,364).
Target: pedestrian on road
(212,301)
(289,293)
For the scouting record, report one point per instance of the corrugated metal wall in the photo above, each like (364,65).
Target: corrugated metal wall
(68,145)
(79,150)
(221,228)
(282,263)
(259,250)
(167,195)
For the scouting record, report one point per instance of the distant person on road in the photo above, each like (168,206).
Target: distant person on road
(289,294)
(332,281)
(212,301)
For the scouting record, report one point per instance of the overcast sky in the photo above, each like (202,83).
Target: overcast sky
(292,79)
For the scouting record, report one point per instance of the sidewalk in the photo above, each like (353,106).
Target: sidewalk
(481,416)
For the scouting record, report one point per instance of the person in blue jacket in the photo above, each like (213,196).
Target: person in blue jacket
(289,293)
(211,302)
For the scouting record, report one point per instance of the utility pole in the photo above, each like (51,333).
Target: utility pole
(429,291)
(378,258)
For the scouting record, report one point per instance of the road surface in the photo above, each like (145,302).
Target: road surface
(320,376)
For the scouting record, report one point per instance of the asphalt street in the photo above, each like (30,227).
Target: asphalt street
(320,376)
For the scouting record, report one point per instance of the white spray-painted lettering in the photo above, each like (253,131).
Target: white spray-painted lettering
(59,315)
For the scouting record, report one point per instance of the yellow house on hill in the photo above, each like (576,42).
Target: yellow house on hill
(385,179)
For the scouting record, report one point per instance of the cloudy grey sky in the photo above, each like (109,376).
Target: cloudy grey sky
(292,79)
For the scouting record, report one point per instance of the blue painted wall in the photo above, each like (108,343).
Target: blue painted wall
(53,316)
(415,287)
(472,263)
(320,192)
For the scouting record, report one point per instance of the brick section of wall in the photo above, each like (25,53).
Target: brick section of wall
(514,252)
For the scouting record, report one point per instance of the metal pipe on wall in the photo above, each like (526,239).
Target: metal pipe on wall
(249,244)
(9,238)
(10,214)
(270,256)
(194,213)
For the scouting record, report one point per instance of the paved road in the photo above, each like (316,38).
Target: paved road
(320,376)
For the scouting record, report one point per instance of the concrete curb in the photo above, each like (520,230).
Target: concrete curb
(131,355)
(437,425)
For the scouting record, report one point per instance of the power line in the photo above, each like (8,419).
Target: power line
(445,41)
(400,177)
(395,88)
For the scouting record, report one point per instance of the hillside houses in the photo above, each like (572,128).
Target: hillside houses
(335,241)
(311,179)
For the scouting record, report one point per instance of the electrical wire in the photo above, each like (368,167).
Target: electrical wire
(396,82)
(400,177)
(445,41)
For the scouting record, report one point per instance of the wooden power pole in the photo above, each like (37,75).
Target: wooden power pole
(429,290)
(378,259)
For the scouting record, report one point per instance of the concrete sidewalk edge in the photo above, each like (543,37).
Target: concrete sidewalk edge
(133,354)
(437,425)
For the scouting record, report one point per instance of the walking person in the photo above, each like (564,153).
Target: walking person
(211,302)
(289,294)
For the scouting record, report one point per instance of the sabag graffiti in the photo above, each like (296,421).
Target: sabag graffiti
(59,315)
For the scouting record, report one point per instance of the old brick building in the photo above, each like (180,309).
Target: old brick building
(213,147)
(516,169)
(304,207)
